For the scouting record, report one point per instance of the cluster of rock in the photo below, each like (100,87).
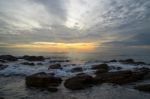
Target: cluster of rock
(59,61)
(5,58)
(129,61)
(10,58)
(33,58)
(83,81)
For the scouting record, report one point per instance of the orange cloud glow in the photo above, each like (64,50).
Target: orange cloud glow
(57,47)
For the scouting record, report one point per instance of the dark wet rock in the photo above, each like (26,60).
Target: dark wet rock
(112,77)
(127,61)
(55,66)
(101,66)
(145,72)
(147,76)
(100,71)
(143,87)
(77,69)
(3,66)
(58,61)
(2,61)
(8,58)
(79,82)
(113,60)
(42,80)
(27,63)
(33,58)
(52,89)
(131,61)
(140,63)
(120,77)
(2,98)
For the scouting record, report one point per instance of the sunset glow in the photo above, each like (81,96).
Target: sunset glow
(57,47)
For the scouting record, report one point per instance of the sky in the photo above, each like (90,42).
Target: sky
(75,25)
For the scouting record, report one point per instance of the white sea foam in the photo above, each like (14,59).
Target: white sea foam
(16,68)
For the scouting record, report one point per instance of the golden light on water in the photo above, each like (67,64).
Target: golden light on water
(57,47)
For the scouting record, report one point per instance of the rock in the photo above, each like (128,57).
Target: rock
(42,80)
(52,89)
(33,58)
(144,71)
(8,58)
(27,63)
(55,66)
(131,61)
(140,63)
(143,87)
(2,98)
(2,61)
(3,66)
(147,76)
(127,61)
(99,71)
(58,61)
(79,82)
(113,61)
(101,66)
(112,77)
(77,69)
(120,77)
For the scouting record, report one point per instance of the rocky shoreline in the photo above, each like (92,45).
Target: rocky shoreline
(78,77)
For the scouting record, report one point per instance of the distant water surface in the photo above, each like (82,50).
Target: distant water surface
(92,56)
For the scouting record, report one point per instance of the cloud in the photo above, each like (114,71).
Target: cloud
(55,7)
(107,22)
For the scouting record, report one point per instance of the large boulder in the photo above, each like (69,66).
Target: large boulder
(100,71)
(101,66)
(8,58)
(42,80)
(143,87)
(55,66)
(120,77)
(79,82)
(33,58)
